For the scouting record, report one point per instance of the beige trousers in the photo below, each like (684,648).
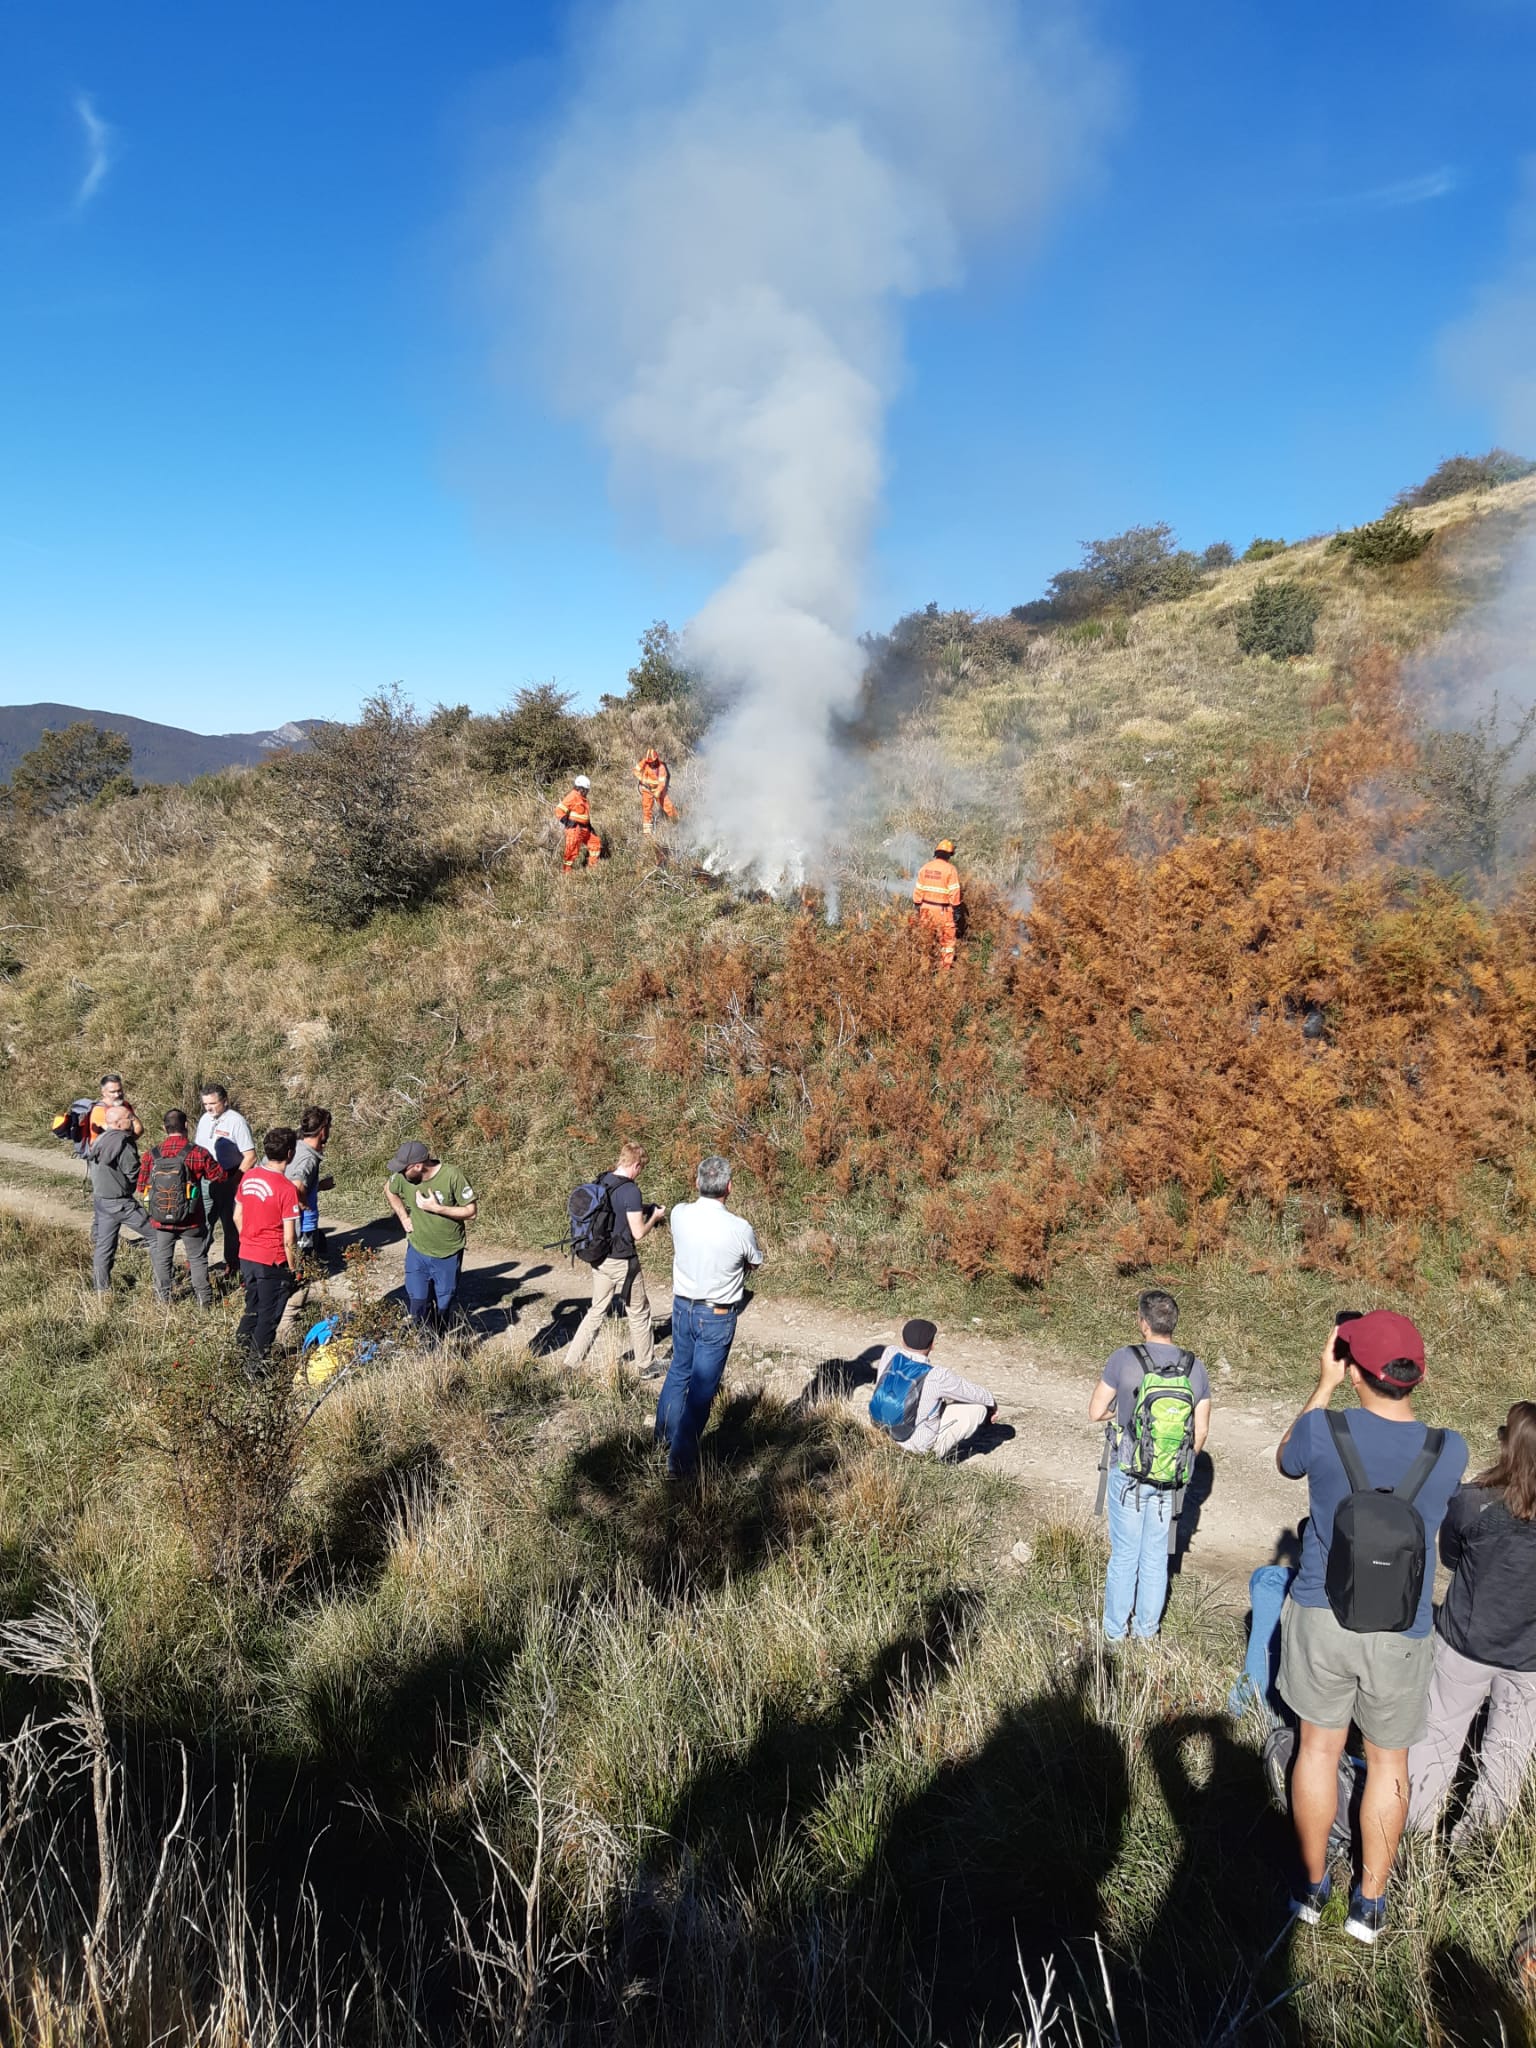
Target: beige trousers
(623,1280)
(959,1422)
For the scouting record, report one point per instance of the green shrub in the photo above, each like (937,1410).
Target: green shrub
(359,799)
(1263,550)
(1219,555)
(1460,473)
(1278,620)
(536,736)
(80,765)
(1383,543)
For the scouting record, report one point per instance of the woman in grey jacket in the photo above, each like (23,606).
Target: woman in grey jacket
(1485,1638)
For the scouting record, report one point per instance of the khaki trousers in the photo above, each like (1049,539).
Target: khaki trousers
(622,1280)
(1458,1691)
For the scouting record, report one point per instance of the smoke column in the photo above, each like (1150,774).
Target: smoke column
(726,221)
(1488,660)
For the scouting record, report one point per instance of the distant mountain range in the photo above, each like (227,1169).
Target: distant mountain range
(161,753)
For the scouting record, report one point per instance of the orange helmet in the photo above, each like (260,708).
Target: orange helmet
(945,847)
(650,754)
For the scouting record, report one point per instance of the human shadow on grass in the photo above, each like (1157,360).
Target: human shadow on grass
(909,1923)
(1215,1962)
(1475,2006)
(763,1472)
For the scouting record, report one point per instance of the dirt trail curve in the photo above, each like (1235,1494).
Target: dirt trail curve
(785,1344)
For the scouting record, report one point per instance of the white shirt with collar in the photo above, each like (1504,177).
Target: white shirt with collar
(711,1250)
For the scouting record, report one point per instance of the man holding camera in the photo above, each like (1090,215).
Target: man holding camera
(1355,1634)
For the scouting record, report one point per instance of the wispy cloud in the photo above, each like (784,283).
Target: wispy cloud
(1403,191)
(100,139)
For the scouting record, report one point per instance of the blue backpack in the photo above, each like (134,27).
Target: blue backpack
(590,1209)
(898,1393)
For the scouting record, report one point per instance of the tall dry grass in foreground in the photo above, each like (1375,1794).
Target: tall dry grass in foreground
(506,1740)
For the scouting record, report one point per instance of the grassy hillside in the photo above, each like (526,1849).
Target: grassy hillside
(1117,1081)
(489,1736)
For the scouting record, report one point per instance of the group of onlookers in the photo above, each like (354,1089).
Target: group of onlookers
(189,1185)
(1361,1645)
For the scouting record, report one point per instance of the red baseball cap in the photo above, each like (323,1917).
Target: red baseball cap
(1382,1339)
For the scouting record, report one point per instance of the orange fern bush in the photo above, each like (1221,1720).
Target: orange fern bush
(1256,1008)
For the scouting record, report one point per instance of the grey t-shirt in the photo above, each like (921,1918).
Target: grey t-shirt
(303,1169)
(1123,1370)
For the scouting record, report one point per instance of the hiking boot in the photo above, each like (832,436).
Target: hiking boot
(1367,1917)
(1310,1901)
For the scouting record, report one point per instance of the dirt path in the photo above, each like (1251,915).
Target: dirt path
(1044,1443)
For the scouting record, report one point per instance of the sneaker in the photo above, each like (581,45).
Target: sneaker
(1309,1901)
(1367,1917)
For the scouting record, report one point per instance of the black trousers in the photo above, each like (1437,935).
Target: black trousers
(266,1296)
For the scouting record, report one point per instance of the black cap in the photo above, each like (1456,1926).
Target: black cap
(918,1335)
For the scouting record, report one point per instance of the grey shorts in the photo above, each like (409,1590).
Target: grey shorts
(1331,1676)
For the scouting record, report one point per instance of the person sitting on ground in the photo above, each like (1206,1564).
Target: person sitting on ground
(307,1172)
(224,1132)
(1147,1389)
(267,1220)
(112,1097)
(924,1407)
(1333,1670)
(619,1275)
(177,1210)
(433,1203)
(113,1159)
(712,1253)
(1485,1639)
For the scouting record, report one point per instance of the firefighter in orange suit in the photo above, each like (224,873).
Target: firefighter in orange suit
(937,896)
(654,778)
(575,814)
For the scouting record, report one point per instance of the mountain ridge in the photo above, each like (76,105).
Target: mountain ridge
(161,753)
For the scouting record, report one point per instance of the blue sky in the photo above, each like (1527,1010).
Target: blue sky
(255,460)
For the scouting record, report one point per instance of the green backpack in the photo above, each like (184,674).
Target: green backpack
(1158,1446)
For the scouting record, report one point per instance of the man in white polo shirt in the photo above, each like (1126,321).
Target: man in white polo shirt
(712,1252)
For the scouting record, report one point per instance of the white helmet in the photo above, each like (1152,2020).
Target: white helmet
(582,782)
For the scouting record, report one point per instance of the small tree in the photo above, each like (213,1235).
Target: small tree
(1263,550)
(535,736)
(80,765)
(360,793)
(1474,781)
(1278,620)
(1219,555)
(659,676)
(1139,567)
(1460,473)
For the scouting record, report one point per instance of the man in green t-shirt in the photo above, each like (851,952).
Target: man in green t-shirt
(433,1203)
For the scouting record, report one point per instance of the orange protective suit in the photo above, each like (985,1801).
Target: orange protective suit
(937,896)
(574,812)
(654,778)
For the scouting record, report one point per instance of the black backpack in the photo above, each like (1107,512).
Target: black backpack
(1378,1556)
(590,1208)
(171,1198)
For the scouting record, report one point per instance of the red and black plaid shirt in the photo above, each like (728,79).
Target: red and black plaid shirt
(201,1166)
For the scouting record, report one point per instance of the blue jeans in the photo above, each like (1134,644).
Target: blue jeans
(1136,1584)
(701,1343)
(426,1278)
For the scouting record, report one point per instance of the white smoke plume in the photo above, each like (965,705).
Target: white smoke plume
(1484,668)
(727,220)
